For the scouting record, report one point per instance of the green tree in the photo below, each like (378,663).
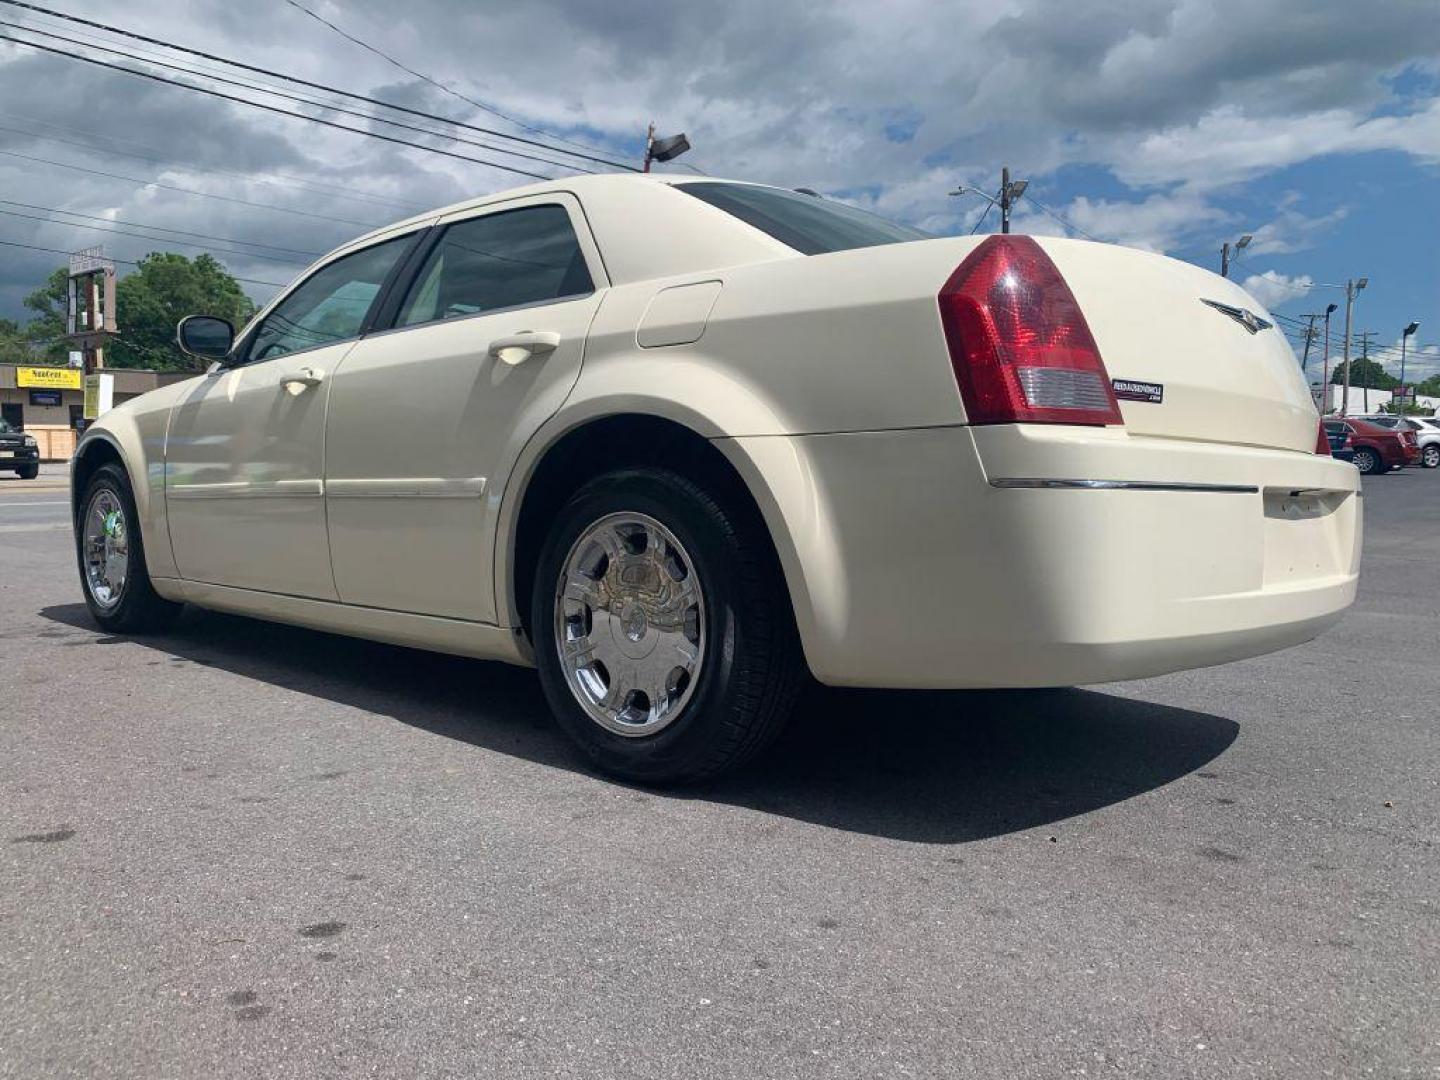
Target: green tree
(1430,387)
(14,349)
(46,329)
(1365,373)
(162,290)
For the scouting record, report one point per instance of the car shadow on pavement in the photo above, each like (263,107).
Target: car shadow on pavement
(924,766)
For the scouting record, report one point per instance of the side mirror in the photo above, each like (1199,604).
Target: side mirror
(205,337)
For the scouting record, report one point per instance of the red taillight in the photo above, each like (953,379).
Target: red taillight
(1021,349)
(1322,441)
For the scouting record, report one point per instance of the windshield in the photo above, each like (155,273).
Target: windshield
(6,429)
(809,224)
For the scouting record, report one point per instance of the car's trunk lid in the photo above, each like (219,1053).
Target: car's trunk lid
(1184,368)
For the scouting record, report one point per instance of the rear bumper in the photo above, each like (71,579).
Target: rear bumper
(1034,556)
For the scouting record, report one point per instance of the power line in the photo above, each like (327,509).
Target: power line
(433,82)
(158,228)
(268,108)
(314,85)
(1072,227)
(127,262)
(183,190)
(262,89)
(309,186)
(256,255)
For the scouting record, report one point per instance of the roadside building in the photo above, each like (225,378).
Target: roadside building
(49,402)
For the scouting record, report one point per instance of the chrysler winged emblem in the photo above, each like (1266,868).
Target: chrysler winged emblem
(1244,316)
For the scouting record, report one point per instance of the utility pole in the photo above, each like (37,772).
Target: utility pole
(1352,286)
(1010,192)
(1309,338)
(649,144)
(1005,199)
(1365,337)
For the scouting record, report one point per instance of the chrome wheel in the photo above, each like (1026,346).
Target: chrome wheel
(105,548)
(1366,461)
(630,623)
(1431,456)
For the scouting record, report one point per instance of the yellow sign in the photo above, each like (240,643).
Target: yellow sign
(50,378)
(99,395)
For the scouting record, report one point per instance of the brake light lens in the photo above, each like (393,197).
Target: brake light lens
(1322,441)
(1020,347)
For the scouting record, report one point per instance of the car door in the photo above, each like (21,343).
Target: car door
(245,451)
(484,344)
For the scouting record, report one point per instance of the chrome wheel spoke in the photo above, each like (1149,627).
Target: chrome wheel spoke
(105,549)
(629,623)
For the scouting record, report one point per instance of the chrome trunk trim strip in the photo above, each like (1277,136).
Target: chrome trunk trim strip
(1125,485)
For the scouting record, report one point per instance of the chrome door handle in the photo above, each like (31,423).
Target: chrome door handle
(297,382)
(517,348)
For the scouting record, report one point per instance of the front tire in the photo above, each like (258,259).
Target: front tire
(1367,461)
(1430,456)
(28,472)
(662,628)
(111,554)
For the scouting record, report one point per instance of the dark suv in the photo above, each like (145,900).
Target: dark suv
(18,451)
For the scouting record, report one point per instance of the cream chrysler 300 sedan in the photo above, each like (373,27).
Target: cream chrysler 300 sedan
(679,442)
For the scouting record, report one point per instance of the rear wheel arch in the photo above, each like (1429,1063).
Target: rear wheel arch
(602,445)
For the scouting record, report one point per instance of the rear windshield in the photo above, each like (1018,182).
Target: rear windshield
(809,224)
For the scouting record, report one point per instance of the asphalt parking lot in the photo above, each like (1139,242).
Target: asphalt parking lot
(248,850)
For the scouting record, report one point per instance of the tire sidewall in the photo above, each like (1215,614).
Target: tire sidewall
(1430,456)
(693,736)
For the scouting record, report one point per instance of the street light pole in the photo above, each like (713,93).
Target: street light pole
(1404,339)
(1240,245)
(1325,364)
(1352,286)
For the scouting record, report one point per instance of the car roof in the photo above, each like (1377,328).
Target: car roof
(595,184)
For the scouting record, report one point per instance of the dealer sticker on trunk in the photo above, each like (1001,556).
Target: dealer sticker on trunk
(1134,390)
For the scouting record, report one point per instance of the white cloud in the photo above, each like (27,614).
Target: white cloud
(1273,289)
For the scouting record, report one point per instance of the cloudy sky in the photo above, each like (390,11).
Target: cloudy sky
(1167,124)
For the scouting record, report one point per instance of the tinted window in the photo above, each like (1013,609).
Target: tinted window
(504,260)
(1335,429)
(330,306)
(807,223)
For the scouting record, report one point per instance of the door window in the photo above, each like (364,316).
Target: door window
(514,258)
(330,306)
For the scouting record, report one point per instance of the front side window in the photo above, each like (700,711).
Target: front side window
(330,306)
(809,224)
(513,258)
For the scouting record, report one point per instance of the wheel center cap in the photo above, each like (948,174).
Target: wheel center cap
(633,622)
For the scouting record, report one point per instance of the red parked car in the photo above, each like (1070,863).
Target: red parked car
(1376,449)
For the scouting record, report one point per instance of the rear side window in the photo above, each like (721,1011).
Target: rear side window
(511,259)
(809,224)
(330,305)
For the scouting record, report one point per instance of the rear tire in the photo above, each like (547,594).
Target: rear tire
(646,557)
(1367,461)
(1430,456)
(28,472)
(111,556)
